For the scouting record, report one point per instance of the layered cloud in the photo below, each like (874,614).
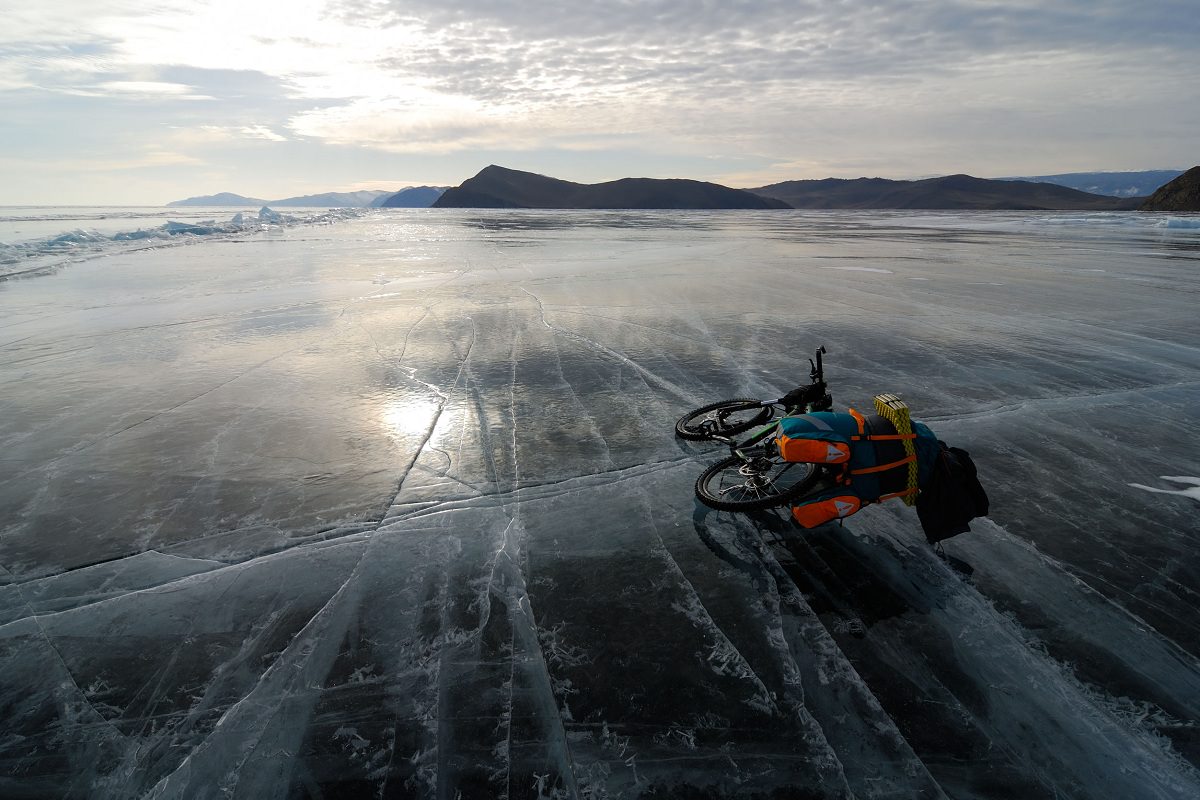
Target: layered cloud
(903,88)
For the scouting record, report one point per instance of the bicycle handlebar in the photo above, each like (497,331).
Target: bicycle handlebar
(818,369)
(814,392)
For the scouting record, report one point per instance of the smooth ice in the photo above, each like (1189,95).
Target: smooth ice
(393,508)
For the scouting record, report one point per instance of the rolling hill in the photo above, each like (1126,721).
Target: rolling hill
(952,192)
(1181,194)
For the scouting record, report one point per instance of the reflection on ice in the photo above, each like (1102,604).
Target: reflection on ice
(271,526)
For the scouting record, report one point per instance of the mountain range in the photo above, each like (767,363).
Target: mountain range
(499,187)
(411,197)
(949,192)
(1117,184)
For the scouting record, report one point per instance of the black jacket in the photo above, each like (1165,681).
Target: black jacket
(952,496)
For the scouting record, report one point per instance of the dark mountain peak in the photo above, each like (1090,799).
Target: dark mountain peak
(499,187)
(1181,194)
(497,174)
(495,170)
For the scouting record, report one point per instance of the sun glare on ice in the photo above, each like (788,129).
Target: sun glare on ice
(409,416)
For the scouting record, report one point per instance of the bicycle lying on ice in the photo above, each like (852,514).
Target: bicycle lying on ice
(828,465)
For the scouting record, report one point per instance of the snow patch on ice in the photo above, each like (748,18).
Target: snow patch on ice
(1192,223)
(1192,491)
(862,269)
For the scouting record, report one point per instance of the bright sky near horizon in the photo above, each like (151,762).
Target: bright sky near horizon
(121,102)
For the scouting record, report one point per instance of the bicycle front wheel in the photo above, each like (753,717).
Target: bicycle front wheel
(724,418)
(752,484)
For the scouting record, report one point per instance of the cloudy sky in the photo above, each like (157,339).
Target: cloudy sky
(124,101)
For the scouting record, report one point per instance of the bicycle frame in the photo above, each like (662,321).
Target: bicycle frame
(755,471)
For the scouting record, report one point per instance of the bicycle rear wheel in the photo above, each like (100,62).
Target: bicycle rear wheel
(752,484)
(723,418)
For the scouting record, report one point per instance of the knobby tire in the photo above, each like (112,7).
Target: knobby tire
(688,426)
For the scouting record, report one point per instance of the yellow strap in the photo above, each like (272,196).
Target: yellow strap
(895,411)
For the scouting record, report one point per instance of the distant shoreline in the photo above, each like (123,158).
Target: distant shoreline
(501,187)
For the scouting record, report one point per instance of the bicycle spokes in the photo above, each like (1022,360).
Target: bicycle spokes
(759,478)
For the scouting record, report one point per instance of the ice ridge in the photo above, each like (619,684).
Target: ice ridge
(40,255)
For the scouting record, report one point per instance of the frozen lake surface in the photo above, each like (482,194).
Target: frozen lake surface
(393,508)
